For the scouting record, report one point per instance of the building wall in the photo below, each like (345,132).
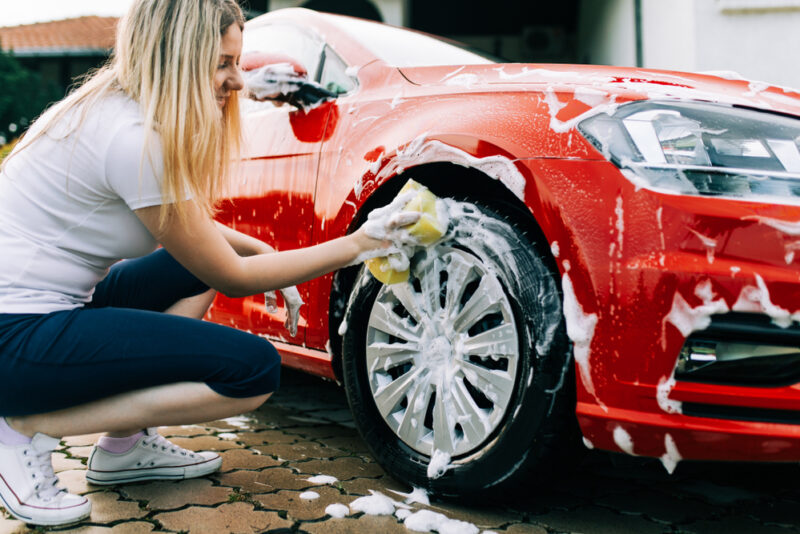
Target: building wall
(669,31)
(759,39)
(606,32)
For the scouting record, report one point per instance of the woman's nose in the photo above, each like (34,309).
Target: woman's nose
(235,82)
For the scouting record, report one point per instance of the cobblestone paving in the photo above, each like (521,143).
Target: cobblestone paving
(306,430)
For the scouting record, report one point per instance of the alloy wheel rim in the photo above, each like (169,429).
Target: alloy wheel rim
(442,352)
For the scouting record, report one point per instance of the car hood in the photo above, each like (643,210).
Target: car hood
(601,82)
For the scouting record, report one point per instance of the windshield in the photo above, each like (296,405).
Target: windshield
(403,48)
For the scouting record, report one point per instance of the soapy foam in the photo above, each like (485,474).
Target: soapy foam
(428,520)
(623,440)
(671,455)
(374,504)
(323,479)
(662,396)
(687,319)
(580,330)
(417,495)
(421,151)
(337,510)
(757,299)
(439,464)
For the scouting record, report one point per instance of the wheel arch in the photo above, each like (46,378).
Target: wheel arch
(444,179)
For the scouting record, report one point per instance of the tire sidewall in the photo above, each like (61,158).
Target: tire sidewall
(520,437)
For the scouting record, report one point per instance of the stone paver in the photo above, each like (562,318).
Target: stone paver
(107,507)
(246,459)
(80,452)
(75,481)
(266,438)
(364,524)
(206,443)
(86,440)
(265,481)
(522,528)
(733,525)
(62,463)
(384,484)
(303,431)
(299,508)
(133,527)
(341,468)
(169,495)
(301,450)
(185,431)
(483,517)
(12,526)
(239,518)
(598,521)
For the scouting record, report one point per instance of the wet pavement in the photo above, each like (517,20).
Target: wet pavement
(306,430)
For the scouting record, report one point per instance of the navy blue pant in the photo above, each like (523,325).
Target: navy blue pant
(121,342)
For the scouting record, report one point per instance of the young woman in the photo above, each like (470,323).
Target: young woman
(132,159)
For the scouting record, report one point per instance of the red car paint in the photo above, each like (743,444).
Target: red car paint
(305,177)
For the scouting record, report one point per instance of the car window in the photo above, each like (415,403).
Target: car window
(334,75)
(299,44)
(403,48)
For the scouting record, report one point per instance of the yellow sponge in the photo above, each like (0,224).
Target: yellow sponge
(428,229)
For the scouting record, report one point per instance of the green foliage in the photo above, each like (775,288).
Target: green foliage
(5,150)
(22,96)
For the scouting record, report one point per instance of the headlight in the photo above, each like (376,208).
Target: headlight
(702,149)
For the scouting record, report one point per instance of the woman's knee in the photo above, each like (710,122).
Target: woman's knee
(254,403)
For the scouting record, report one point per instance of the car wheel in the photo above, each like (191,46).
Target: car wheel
(460,379)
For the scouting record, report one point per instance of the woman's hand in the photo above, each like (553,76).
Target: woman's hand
(291,300)
(385,230)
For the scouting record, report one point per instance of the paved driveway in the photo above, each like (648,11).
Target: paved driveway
(305,430)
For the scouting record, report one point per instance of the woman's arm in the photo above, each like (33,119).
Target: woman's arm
(200,245)
(243,244)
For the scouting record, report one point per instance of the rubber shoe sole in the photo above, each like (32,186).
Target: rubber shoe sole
(124,476)
(6,495)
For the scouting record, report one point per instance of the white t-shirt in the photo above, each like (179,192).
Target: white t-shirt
(66,206)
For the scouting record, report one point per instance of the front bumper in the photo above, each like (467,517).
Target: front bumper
(657,269)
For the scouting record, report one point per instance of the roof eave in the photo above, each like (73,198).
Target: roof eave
(59,51)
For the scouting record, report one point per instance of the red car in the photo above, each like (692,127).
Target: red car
(620,264)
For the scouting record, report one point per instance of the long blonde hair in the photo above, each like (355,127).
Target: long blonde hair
(165,58)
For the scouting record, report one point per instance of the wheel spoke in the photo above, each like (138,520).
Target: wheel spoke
(412,425)
(429,281)
(458,275)
(487,381)
(389,396)
(443,426)
(385,356)
(385,320)
(498,341)
(407,298)
(434,398)
(472,419)
(488,295)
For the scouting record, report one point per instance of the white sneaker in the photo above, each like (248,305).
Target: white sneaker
(28,486)
(152,458)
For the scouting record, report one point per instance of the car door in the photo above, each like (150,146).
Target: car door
(272,194)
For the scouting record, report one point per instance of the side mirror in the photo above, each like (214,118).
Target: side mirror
(280,78)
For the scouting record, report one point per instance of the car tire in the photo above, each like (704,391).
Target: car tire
(480,323)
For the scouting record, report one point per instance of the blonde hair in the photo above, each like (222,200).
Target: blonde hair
(165,58)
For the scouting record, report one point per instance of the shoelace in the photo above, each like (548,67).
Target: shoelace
(46,482)
(159,441)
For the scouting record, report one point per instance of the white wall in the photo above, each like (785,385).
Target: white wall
(606,32)
(759,39)
(669,35)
